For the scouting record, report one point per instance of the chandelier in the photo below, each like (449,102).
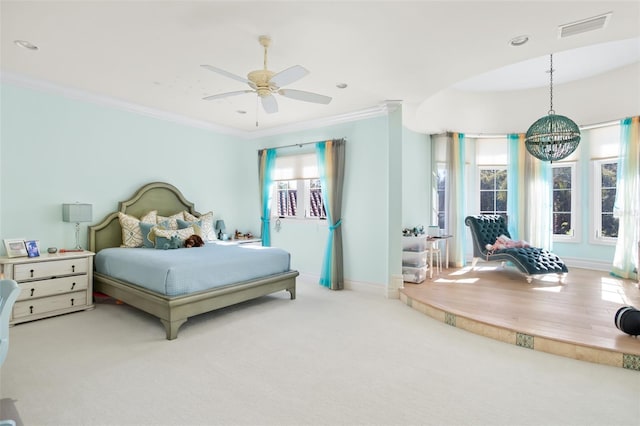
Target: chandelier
(552,137)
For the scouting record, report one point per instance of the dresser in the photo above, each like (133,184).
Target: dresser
(50,284)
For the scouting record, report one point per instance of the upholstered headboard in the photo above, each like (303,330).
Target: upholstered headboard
(160,196)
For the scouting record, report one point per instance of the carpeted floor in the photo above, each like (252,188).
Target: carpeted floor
(326,358)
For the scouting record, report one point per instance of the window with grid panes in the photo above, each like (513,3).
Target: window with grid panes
(493,190)
(563,199)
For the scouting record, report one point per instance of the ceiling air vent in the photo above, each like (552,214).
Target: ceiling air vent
(583,26)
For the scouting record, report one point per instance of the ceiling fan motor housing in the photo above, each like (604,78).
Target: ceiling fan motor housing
(261,79)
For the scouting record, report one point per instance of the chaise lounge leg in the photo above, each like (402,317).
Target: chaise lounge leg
(561,278)
(529,279)
(474,262)
(172,327)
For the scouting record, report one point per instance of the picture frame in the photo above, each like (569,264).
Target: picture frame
(15,247)
(33,248)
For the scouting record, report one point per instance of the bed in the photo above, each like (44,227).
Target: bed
(175,301)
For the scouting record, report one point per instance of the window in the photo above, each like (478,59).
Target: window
(564,201)
(493,190)
(441,185)
(298,189)
(316,205)
(287,198)
(605,178)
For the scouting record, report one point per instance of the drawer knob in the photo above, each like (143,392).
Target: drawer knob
(73,268)
(32,291)
(31,273)
(71,302)
(30,309)
(73,285)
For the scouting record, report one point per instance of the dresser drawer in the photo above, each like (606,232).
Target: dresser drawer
(52,287)
(32,307)
(38,270)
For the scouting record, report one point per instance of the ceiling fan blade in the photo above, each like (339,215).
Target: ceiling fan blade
(301,95)
(269,104)
(226,73)
(226,95)
(288,76)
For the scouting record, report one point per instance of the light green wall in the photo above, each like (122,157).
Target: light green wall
(55,150)
(364,220)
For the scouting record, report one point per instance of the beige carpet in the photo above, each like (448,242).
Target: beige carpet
(327,358)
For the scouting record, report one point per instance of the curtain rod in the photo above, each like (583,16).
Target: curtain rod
(298,144)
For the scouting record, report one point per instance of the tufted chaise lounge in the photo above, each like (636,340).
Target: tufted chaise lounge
(530,260)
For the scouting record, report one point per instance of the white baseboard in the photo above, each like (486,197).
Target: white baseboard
(373,288)
(596,265)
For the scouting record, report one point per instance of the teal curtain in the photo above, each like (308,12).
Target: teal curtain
(266,164)
(627,204)
(515,185)
(457,208)
(331,158)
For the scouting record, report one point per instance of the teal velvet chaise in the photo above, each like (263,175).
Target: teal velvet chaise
(531,261)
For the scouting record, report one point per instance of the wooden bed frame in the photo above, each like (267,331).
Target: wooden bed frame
(173,311)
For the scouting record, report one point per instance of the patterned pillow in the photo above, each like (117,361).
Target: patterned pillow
(173,219)
(206,224)
(131,233)
(148,233)
(163,236)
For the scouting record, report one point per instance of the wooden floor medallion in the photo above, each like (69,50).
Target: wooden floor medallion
(573,319)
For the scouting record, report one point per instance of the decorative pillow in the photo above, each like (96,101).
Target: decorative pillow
(206,224)
(131,233)
(166,238)
(196,224)
(148,232)
(173,219)
(189,217)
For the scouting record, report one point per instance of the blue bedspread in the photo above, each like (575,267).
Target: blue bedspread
(189,270)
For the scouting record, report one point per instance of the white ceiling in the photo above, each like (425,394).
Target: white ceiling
(149,54)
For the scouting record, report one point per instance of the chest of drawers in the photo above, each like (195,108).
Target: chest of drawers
(50,284)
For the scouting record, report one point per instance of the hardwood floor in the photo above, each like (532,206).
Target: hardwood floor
(573,319)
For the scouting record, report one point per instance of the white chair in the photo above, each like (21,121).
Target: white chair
(435,256)
(9,291)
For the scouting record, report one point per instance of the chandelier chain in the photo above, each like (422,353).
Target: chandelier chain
(551,111)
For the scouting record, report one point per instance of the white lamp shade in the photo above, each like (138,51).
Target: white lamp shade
(76,213)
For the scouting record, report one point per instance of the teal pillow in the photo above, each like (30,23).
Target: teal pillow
(148,237)
(197,226)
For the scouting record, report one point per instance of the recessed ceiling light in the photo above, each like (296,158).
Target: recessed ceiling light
(519,40)
(26,45)
(241,111)
(341,85)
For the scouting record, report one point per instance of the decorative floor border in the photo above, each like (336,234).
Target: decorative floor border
(538,343)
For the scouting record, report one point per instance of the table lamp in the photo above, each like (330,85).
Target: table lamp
(76,213)
(220,227)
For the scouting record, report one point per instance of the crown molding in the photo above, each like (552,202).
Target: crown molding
(370,112)
(80,95)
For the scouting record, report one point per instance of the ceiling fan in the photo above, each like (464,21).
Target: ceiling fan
(266,83)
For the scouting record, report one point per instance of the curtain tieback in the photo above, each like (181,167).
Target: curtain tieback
(264,219)
(333,227)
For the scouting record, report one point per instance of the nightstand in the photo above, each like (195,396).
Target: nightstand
(51,284)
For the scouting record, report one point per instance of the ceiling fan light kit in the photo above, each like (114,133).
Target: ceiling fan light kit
(266,83)
(552,137)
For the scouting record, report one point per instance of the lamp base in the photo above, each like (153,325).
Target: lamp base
(78,247)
